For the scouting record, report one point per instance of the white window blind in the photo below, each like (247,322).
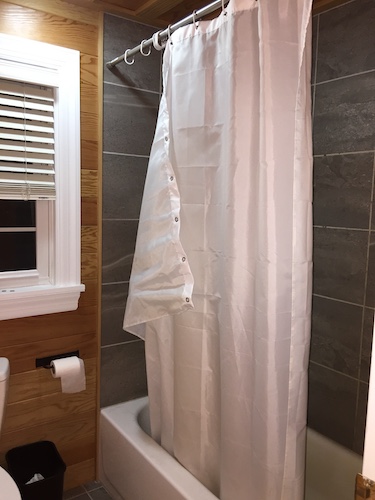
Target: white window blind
(27,170)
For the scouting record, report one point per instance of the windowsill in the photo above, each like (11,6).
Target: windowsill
(36,300)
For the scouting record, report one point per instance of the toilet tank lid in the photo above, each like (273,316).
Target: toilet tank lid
(4,369)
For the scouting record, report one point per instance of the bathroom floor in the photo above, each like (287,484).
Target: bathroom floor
(90,491)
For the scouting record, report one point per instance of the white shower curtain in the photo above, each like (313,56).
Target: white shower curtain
(221,281)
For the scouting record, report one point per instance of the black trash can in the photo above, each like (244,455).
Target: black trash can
(37,458)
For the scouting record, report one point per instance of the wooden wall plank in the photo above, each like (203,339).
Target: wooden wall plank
(89,266)
(89,183)
(22,357)
(89,207)
(89,77)
(80,473)
(90,295)
(60,325)
(66,435)
(81,450)
(55,406)
(63,9)
(184,9)
(39,382)
(155,8)
(89,154)
(364,488)
(110,7)
(89,239)
(89,120)
(69,33)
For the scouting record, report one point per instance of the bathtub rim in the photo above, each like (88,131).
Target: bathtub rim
(185,484)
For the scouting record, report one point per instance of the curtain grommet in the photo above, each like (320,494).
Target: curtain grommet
(196,23)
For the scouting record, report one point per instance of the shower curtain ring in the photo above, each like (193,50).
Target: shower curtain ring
(169,34)
(126,58)
(196,23)
(223,7)
(141,49)
(155,41)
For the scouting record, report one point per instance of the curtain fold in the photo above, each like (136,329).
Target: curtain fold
(221,281)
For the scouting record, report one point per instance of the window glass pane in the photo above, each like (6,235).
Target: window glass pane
(17,251)
(15,213)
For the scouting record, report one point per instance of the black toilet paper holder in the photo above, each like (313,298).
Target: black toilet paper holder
(46,362)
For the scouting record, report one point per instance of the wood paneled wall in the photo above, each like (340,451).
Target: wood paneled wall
(36,407)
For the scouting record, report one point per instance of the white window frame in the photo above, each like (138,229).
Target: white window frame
(58,67)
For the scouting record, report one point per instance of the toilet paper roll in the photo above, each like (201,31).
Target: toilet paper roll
(71,371)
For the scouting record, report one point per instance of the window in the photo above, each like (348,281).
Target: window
(39,178)
(27,181)
(17,236)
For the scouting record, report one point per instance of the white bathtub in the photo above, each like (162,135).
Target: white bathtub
(134,467)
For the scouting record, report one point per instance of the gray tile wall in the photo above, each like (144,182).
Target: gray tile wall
(343,93)
(131,99)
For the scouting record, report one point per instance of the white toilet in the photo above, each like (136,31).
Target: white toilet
(8,488)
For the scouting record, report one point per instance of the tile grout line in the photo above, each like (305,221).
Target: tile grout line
(79,495)
(116,283)
(94,488)
(131,88)
(338,372)
(121,343)
(337,6)
(370,151)
(106,219)
(363,230)
(125,154)
(342,301)
(119,220)
(344,77)
(87,492)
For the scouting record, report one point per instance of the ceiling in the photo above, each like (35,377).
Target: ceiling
(160,13)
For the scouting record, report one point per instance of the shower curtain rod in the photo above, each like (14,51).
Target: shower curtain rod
(164,34)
